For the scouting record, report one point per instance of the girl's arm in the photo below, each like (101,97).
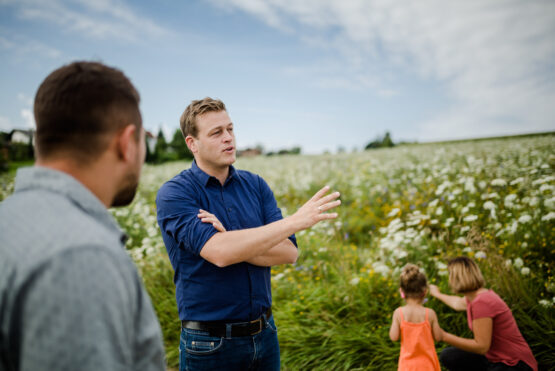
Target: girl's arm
(456,302)
(434,323)
(482,337)
(395,328)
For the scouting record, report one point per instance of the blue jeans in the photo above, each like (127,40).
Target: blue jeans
(200,351)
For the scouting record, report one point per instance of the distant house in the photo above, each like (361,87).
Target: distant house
(22,136)
(150,141)
(249,152)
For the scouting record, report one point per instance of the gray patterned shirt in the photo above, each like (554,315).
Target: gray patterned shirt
(70,296)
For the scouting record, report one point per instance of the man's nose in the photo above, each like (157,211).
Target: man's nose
(228,136)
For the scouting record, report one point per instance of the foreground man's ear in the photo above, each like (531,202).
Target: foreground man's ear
(126,142)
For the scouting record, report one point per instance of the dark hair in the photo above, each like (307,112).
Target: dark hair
(188,120)
(78,106)
(413,282)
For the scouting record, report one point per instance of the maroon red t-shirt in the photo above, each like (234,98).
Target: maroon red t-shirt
(507,343)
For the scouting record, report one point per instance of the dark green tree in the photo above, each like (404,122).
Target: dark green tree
(179,147)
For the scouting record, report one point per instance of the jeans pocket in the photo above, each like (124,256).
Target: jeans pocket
(271,324)
(200,343)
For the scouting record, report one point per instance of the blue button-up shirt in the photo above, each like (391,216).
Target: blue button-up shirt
(205,292)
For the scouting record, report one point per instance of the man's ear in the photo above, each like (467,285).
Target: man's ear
(191,143)
(126,142)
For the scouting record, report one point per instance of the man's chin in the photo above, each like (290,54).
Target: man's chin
(126,195)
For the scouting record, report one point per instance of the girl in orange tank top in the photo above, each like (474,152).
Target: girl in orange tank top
(416,325)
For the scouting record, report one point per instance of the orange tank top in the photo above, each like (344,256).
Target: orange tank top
(418,351)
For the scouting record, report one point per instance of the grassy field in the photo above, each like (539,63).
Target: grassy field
(492,200)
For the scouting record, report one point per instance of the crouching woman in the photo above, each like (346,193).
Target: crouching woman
(497,344)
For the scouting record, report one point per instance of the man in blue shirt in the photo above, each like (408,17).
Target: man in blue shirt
(223,231)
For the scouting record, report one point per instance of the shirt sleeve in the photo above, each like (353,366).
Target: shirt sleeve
(272,212)
(177,210)
(78,312)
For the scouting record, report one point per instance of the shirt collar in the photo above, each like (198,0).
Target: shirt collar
(38,177)
(205,178)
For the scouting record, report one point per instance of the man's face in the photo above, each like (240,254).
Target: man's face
(131,180)
(214,146)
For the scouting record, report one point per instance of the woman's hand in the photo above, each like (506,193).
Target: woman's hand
(434,291)
(207,217)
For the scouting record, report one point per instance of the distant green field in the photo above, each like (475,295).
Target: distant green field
(492,200)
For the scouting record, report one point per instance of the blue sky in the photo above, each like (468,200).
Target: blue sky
(320,74)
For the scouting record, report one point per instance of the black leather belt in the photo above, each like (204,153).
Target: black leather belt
(219,328)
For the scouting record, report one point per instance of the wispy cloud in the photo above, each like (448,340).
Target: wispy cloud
(496,59)
(28,118)
(99,19)
(19,45)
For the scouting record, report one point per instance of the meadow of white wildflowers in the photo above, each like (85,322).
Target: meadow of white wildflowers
(493,200)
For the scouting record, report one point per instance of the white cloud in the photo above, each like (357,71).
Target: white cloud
(28,101)
(28,118)
(101,19)
(495,58)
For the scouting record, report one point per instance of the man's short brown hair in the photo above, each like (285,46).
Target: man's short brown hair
(464,275)
(188,121)
(78,107)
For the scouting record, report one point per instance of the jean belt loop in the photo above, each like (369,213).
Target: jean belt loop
(228,330)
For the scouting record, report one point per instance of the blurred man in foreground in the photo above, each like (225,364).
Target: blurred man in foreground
(70,296)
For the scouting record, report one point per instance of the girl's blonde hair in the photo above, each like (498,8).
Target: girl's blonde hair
(464,275)
(413,281)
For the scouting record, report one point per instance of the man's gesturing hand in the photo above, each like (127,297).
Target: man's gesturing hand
(314,210)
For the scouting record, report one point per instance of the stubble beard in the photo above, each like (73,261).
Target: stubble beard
(127,193)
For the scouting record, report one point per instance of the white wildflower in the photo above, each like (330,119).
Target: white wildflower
(533,201)
(549,216)
(488,205)
(525,218)
(354,281)
(550,203)
(525,271)
(480,255)
(508,263)
(513,227)
(499,182)
(393,212)
(518,263)
(470,218)
(509,200)
(439,211)
(441,265)
(517,181)
(460,241)
(545,303)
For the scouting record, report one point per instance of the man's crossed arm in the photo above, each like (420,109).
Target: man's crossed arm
(269,244)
